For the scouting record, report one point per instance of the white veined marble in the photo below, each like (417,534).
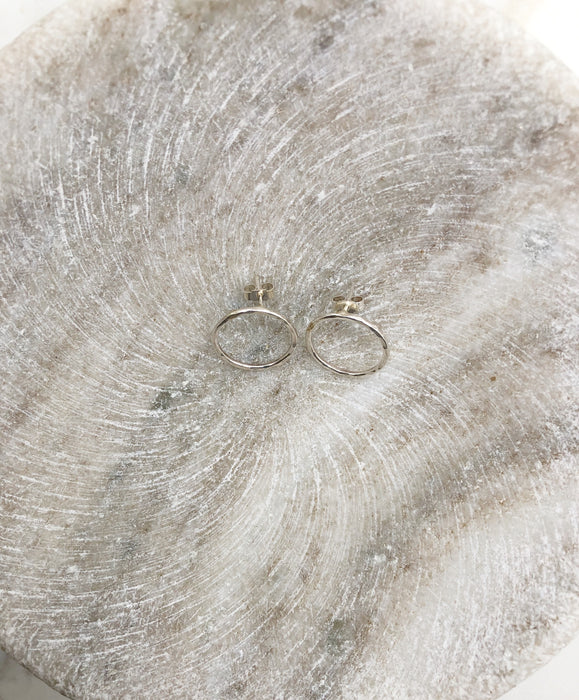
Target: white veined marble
(538,27)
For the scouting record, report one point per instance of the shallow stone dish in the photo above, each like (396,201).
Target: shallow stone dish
(172,526)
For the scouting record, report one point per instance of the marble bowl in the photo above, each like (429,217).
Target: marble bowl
(171,526)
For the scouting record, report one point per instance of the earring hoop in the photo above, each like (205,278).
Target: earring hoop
(257,294)
(349,309)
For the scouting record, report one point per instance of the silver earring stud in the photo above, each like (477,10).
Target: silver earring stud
(347,309)
(256,294)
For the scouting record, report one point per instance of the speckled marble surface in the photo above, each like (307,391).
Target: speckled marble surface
(412,533)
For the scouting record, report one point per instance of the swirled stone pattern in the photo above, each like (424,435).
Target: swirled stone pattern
(173,527)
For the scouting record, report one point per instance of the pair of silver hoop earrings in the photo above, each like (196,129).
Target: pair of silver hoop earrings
(343,309)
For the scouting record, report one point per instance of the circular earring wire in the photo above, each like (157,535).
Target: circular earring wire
(257,294)
(347,308)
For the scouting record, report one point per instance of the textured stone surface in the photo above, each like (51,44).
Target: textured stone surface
(172,526)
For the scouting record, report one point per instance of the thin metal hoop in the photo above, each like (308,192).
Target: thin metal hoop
(356,319)
(254,310)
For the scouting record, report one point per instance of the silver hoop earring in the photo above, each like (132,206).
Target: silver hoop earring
(347,308)
(257,294)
